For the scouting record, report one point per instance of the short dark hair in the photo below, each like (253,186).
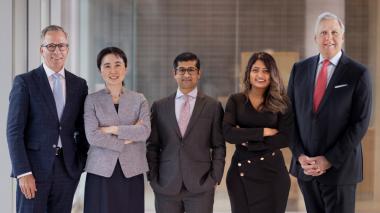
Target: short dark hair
(186,56)
(110,50)
(51,28)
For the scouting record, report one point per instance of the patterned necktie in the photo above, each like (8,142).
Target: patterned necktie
(58,94)
(184,115)
(320,87)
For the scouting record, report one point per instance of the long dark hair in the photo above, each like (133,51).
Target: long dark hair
(275,98)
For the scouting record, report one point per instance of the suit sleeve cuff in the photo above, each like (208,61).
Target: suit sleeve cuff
(22,175)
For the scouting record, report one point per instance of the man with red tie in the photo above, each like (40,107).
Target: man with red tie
(331,97)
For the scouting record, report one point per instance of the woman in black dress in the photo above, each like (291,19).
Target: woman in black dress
(259,122)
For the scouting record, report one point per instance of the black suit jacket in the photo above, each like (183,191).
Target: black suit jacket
(33,126)
(336,129)
(197,159)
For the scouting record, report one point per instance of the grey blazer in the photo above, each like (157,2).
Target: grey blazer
(106,149)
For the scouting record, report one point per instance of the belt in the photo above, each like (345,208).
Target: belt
(58,151)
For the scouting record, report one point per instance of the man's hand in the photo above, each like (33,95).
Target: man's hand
(322,163)
(314,166)
(27,185)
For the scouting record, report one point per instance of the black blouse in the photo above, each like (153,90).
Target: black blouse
(116,107)
(243,123)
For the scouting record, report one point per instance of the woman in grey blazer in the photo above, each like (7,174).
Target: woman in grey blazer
(117,123)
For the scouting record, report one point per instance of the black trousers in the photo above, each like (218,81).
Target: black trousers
(321,198)
(185,201)
(259,184)
(53,196)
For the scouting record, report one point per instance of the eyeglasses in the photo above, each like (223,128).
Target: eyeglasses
(190,70)
(52,47)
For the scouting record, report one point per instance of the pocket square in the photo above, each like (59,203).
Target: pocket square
(339,86)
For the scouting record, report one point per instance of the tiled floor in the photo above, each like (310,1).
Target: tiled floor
(222,204)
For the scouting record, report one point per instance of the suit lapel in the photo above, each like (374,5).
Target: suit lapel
(337,75)
(198,107)
(170,106)
(70,93)
(312,75)
(44,86)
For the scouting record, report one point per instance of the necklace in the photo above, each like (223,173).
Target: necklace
(115,98)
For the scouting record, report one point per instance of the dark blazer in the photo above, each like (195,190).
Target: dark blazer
(197,159)
(33,126)
(336,129)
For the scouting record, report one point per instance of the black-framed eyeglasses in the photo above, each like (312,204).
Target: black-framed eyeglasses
(52,47)
(183,70)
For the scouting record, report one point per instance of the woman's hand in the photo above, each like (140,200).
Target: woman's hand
(269,132)
(139,122)
(115,129)
(128,142)
(109,130)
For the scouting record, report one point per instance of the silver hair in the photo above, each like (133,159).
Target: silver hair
(328,16)
(49,29)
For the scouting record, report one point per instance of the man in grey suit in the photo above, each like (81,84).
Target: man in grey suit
(186,148)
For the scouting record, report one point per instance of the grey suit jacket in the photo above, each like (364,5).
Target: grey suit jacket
(106,149)
(196,159)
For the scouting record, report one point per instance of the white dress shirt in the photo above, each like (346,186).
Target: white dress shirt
(180,99)
(49,73)
(330,68)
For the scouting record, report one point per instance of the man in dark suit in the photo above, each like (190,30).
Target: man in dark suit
(331,96)
(186,149)
(45,130)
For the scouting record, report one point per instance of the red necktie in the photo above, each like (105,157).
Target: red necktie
(320,86)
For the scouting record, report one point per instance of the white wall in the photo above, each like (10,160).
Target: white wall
(312,11)
(20,24)
(6,52)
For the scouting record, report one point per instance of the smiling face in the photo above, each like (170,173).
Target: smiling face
(259,76)
(187,75)
(55,60)
(113,69)
(329,38)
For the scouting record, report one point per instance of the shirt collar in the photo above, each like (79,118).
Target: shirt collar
(192,94)
(334,60)
(49,72)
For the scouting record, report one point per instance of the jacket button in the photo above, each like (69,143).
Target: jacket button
(239,164)
(248,161)
(262,158)
(241,174)
(273,154)
(54,146)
